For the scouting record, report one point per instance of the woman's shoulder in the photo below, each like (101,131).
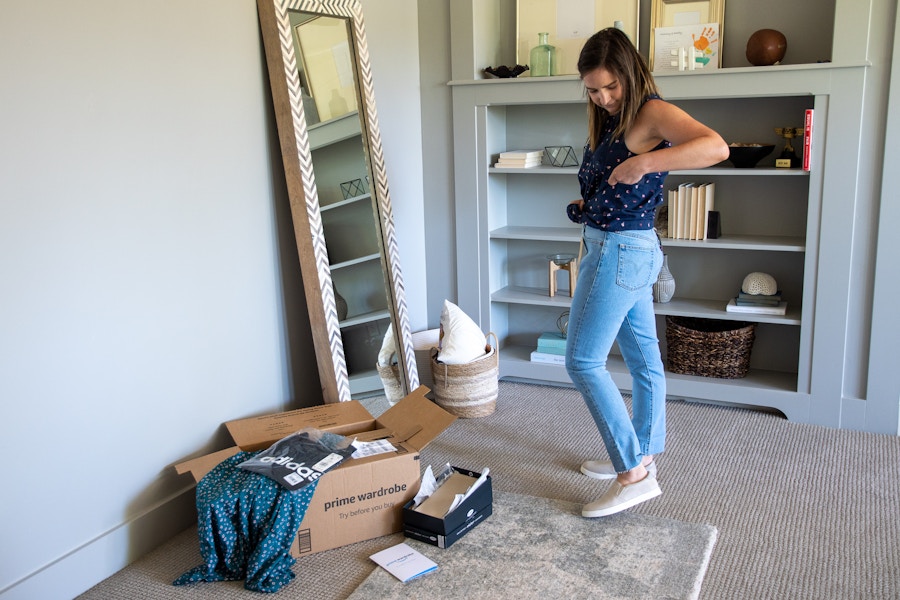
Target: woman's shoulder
(653,99)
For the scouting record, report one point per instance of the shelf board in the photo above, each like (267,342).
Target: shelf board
(768,243)
(677,307)
(759,388)
(368,317)
(333,131)
(365,382)
(355,261)
(722,170)
(531,296)
(538,234)
(715,309)
(728,171)
(539,170)
(344,202)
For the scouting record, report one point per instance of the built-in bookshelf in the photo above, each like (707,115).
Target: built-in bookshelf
(771,220)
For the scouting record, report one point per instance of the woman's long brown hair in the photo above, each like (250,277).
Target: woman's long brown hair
(612,50)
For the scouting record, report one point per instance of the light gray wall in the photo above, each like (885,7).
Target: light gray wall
(437,151)
(149,283)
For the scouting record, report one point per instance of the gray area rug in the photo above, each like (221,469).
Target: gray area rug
(535,548)
(802,512)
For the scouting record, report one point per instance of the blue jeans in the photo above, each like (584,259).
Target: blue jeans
(614,302)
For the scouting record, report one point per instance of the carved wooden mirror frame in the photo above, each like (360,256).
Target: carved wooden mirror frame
(301,185)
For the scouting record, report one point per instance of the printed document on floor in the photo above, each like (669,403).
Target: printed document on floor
(404,562)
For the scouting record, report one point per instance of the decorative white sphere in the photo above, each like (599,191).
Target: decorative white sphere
(759,284)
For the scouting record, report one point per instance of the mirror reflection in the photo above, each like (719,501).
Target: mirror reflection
(347,203)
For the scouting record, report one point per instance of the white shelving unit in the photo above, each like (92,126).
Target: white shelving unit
(771,220)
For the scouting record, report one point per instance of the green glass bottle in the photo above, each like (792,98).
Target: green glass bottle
(543,58)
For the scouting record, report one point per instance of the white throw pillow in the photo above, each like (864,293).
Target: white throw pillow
(462,341)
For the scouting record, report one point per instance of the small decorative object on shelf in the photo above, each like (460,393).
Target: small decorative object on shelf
(560,156)
(562,323)
(353,188)
(661,224)
(340,304)
(745,156)
(713,225)
(504,72)
(789,158)
(759,283)
(543,57)
(759,294)
(766,47)
(664,288)
(563,262)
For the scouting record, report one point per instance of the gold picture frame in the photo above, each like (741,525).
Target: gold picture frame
(674,13)
(570,23)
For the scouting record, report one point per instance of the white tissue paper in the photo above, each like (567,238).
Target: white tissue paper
(430,483)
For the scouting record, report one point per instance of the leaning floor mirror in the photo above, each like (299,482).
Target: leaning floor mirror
(343,224)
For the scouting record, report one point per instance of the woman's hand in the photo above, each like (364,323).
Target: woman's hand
(629,172)
(574,210)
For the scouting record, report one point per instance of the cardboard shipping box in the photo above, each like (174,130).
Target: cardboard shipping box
(363,498)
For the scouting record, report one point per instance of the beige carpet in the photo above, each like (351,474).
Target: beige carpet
(803,512)
(536,549)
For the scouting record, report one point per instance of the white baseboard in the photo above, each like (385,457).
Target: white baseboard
(86,566)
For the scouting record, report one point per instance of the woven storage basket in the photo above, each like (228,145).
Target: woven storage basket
(708,347)
(390,379)
(423,342)
(470,389)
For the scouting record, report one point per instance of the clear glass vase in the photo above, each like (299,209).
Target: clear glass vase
(543,58)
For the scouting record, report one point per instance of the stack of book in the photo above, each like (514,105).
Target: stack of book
(689,208)
(551,349)
(519,159)
(761,304)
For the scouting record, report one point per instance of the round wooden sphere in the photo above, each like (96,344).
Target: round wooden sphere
(766,47)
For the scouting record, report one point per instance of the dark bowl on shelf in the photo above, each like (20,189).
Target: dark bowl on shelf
(745,156)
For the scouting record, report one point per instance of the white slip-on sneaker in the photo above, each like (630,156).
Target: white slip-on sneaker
(603,469)
(620,497)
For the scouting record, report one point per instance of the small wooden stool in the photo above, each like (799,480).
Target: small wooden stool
(571,266)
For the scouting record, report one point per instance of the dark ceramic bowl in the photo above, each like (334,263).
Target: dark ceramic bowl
(747,155)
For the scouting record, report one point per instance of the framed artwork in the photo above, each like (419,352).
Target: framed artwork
(686,48)
(570,23)
(686,24)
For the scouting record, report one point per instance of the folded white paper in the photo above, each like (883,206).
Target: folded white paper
(404,562)
(460,498)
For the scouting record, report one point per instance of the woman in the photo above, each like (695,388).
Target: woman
(635,138)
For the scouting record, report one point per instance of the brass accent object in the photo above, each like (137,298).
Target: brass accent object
(788,157)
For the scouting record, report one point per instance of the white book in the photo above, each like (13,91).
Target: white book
(694,218)
(780,309)
(545,357)
(404,562)
(673,213)
(517,164)
(519,154)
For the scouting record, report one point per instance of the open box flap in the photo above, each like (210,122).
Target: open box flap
(416,419)
(200,466)
(257,433)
